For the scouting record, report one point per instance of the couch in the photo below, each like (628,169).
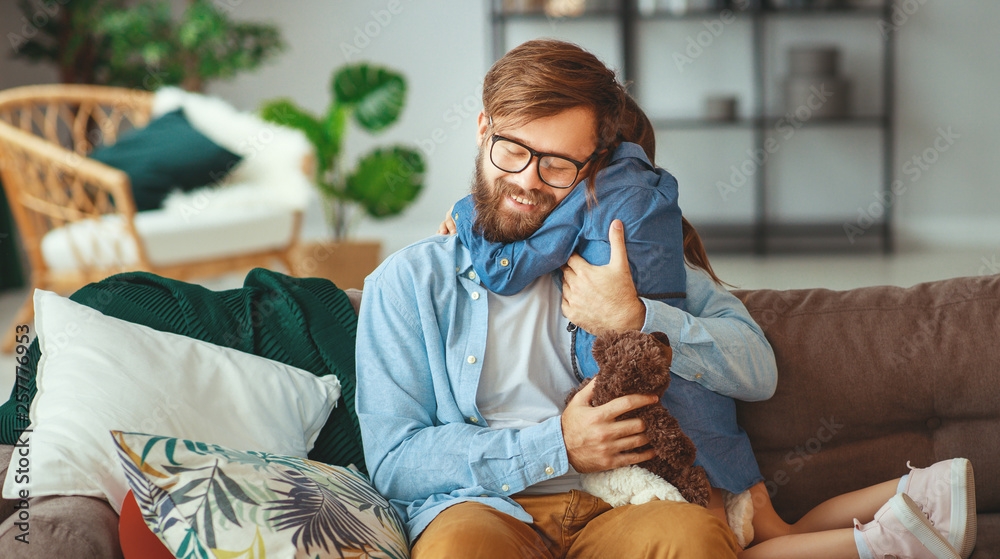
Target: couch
(869,379)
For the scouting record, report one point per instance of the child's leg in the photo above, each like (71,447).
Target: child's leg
(717,505)
(832,544)
(840,511)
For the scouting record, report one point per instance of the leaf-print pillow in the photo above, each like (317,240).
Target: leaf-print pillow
(205,500)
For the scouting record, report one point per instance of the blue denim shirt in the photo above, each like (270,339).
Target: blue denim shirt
(420,343)
(630,188)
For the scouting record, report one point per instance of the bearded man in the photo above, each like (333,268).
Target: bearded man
(460,390)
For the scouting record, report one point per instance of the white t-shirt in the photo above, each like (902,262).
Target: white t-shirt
(527,368)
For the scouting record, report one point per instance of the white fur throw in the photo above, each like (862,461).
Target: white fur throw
(271,172)
(634,485)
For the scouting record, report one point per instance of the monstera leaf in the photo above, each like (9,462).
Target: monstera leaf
(376,94)
(386,181)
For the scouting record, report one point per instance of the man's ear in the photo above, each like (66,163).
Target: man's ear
(484,123)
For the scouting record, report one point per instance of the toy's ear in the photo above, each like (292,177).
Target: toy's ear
(661,337)
(598,348)
(665,341)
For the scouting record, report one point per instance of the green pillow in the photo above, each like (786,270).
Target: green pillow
(165,155)
(307,323)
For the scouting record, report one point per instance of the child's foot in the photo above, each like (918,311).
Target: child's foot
(901,530)
(946,493)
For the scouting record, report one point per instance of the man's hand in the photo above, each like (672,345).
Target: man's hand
(602,298)
(595,441)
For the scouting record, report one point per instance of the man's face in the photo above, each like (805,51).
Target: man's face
(512,206)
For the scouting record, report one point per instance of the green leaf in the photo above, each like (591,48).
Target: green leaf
(234,488)
(223,502)
(375,93)
(386,180)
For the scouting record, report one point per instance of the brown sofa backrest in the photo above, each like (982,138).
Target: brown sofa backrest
(872,377)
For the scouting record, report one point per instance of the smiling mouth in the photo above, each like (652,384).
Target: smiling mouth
(521,200)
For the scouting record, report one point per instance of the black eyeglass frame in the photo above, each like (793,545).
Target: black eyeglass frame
(579,166)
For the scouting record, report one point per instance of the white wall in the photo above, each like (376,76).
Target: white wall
(947,79)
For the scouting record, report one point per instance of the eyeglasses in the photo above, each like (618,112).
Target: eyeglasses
(511,156)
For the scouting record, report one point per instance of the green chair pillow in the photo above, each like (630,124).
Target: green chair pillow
(165,155)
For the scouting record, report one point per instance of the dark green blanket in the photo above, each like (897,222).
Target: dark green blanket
(306,323)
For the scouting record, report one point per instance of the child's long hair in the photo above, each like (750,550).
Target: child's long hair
(637,128)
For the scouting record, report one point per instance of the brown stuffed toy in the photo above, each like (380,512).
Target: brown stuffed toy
(637,363)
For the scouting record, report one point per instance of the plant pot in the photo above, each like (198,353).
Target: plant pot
(345,263)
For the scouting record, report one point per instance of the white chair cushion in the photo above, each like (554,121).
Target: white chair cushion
(170,238)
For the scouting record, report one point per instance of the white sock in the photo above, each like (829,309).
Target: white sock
(902,483)
(863,551)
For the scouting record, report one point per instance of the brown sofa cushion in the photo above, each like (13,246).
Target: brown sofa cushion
(872,377)
(78,527)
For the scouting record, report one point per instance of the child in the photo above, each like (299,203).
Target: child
(631,188)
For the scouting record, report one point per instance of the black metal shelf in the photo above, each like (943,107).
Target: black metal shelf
(766,233)
(765,122)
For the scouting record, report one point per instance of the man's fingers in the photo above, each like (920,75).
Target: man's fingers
(575,260)
(623,404)
(616,237)
(582,397)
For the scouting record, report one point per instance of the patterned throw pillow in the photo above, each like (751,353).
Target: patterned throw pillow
(204,500)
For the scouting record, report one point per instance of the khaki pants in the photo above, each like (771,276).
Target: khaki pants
(577,525)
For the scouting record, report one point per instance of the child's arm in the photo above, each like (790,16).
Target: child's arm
(508,268)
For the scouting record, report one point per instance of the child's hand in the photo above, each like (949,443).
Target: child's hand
(447,226)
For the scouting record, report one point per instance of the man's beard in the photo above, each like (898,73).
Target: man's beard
(499,225)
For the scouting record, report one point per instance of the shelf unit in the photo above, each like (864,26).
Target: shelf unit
(765,233)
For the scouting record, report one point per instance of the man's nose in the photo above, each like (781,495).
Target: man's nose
(528,178)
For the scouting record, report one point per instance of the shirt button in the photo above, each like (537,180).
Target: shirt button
(698,375)
(474,419)
(484,496)
(504,262)
(471,359)
(456,217)
(549,471)
(475,295)
(472,275)
(505,487)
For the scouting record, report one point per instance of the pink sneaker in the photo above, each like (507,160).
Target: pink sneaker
(901,530)
(946,493)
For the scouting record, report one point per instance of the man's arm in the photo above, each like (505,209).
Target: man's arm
(715,343)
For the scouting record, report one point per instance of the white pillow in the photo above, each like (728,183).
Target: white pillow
(99,373)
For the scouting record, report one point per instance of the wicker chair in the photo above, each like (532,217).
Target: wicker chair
(46,133)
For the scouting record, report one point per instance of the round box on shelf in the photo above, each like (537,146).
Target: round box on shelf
(820,97)
(814,61)
(720,107)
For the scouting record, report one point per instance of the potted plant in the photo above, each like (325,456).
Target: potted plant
(141,45)
(382,183)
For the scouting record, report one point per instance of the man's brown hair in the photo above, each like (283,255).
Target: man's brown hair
(544,77)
